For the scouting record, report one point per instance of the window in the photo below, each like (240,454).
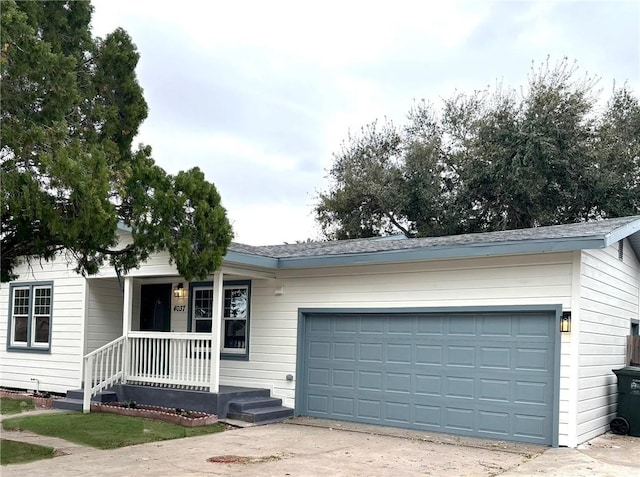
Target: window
(235,315)
(202,309)
(30,308)
(234,319)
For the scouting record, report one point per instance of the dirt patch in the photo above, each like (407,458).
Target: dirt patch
(166,414)
(241,459)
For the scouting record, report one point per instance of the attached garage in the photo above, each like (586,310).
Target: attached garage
(479,373)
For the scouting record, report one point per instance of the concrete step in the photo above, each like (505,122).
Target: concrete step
(244,404)
(68,404)
(104,396)
(262,415)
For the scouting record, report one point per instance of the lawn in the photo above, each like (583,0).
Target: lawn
(15,406)
(12,452)
(103,430)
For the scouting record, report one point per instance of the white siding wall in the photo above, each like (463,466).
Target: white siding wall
(544,279)
(104,312)
(59,369)
(608,301)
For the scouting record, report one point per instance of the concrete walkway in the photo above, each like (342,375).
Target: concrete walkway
(314,447)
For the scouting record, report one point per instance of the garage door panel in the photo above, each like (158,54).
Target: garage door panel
(399,353)
(429,385)
(369,409)
(398,383)
(402,325)
(494,389)
(319,349)
(428,417)
(457,418)
(526,392)
(460,373)
(493,424)
(371,352)
(346,325)
(370,380)
(530,427)
(434,326)
(318,403)
(530,359)
(533,325)
(459,387)
(494,357)
(346,351)
(461,356)
(318,377)
(343,378)
(462,325)
(398,412)
(495,326)
(343,406)
(429,354)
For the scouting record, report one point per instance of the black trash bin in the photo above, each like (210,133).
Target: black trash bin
(628,415)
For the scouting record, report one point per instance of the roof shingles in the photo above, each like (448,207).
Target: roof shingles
(594,229)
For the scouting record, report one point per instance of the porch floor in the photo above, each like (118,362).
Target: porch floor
(192,400)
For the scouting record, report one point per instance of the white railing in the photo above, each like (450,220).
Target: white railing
(170,359)
(103,368)
(166,359)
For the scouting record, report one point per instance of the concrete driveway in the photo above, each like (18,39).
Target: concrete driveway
(315,447)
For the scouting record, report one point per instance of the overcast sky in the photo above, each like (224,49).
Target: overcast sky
(260,94)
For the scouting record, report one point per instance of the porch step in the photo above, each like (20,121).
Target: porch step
(258,409)
(75,397)
(262,415)
(104,396)
(68,404)
(244,404)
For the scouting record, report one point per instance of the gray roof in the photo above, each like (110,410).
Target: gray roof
(595,234)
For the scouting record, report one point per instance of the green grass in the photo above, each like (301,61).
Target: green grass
(13,452)
(15,406)
(104,431)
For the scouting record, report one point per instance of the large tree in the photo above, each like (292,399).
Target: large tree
(71,107)
(490,160)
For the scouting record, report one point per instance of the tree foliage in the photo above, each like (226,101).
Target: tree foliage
(71,107)
(490,160)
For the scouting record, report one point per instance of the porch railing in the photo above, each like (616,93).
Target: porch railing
(164,359)
(173,359)
(103,368)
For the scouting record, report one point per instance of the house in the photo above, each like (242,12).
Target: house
(458,334)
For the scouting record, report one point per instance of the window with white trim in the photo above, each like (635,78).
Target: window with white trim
(30,307)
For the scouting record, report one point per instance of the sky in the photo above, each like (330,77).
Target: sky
(261,94)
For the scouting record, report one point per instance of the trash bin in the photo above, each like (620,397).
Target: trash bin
(628,415)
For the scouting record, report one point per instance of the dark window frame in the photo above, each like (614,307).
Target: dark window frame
(224,352)
(30,345)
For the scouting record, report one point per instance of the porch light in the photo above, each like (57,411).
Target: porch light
(565,322)
(179,291)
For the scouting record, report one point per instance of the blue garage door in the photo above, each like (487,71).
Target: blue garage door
(478,374)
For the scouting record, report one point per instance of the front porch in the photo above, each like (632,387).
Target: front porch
(167,337)
(252,405)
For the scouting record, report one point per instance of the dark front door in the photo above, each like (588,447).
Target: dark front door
(155,307)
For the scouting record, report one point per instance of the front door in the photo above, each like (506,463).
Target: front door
(155,307)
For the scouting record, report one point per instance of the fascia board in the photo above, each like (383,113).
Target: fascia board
(250,260)
(437,253)
(622,232)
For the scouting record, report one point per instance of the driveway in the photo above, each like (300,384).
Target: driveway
(313,447)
